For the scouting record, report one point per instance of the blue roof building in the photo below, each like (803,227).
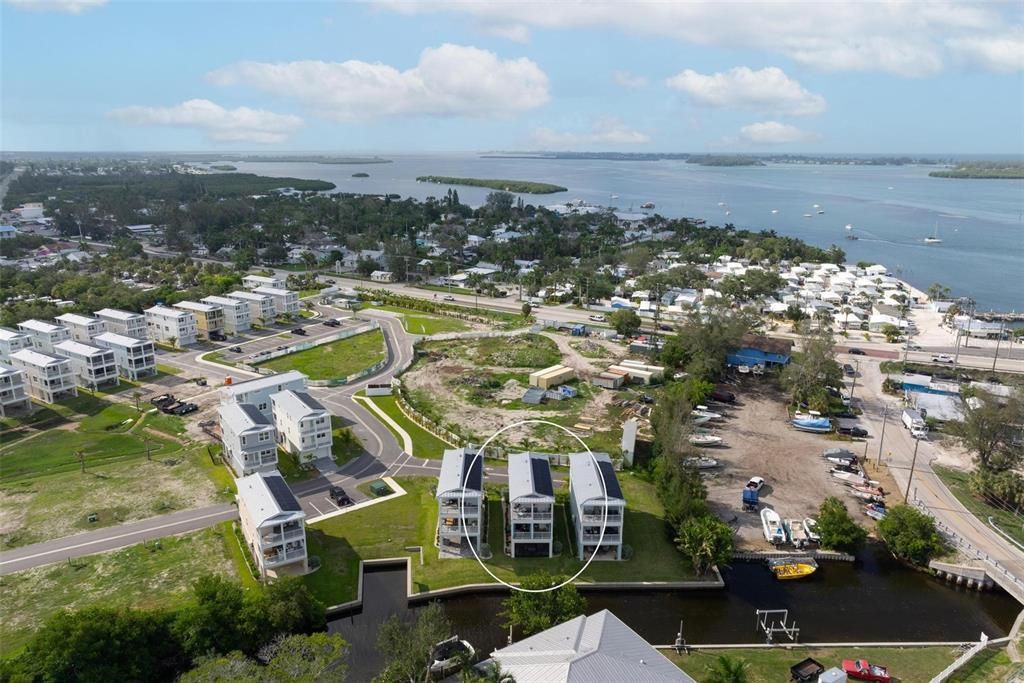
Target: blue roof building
(759,350)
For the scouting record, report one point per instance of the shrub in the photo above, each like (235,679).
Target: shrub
(911,535)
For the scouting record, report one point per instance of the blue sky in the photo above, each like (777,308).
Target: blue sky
(442,75)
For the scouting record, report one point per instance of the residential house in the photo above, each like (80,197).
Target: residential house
(760,350)
(531,505)
(135,358)
(261,307)
(599,647)
(91,365)
(236,313)
(123,322)
(273,524)
(303,425)
(249,438)
(12,391)
(209,318)
(47,377)
(460,497)
(273,281)
(171,325)
(351,258)
(8,232)
(382,276)
(595,503)
(11,341)
(44,335)
(259,390)
(83,328)
(286,302)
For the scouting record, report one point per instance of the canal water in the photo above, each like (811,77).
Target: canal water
(872,600)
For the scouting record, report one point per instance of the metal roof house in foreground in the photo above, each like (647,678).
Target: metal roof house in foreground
(587,649)
(273,524)
(460,499)
(257,391)
(760,350)
(249,438)
(529,519)
(595,499)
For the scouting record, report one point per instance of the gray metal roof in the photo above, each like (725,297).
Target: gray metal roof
(529,474)
(270,381)
(459,466)
(295,403)
(586,479)
(253,414)
(267,498)
(587,649)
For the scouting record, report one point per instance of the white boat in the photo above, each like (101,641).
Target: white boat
(808,215)
(728,213)
(721,203)
(702,411)
(771,524)
(797,533)
(816,205)
(840,459)
(869,497)
(449,654)
(934,239)
(821,211)
(811,529)
(849,477)
(700,419)
(775,210)
(705,440)
(701,463)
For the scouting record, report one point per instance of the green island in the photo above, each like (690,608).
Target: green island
(224,167)
(360,175)
(524,186)
(724,160)
(986,170)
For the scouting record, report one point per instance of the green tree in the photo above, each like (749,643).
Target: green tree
(274,253)
(209,624)
(233,667)
(836,527)
(696,390)
(365,266)
(625,321)
(535,612)
(911,535)
(407,646)
(1003,489)
(813,369)
(313,658)
(491,673)
(794,313)
(706,541)
(527,309)
(726,669)
(891,333)
(704,340)
(991,431)
(938,291)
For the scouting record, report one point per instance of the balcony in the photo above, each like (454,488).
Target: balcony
(275,539)
(596,538)
(597,515)
(281,557)
(470,509)
(525,512)
(531,535)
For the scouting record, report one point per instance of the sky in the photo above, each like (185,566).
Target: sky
(392,76)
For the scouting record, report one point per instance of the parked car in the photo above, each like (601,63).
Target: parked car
(218,336)
(282,347)
(845,413)
(598,318)
(861,670)
(849,370)
(665,327)
(858,432)
(332,282)
(942,358)
(299,331)
(186,408)
(723,395)
(338,496)
(755,483)
(163,400)
(235,349)
(449,297)
(331,322)
(856,352)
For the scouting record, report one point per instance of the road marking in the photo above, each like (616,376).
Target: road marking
(318,512)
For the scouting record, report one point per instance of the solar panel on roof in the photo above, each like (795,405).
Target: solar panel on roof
(473,476)
(611,482)
(541,476)
(282,494)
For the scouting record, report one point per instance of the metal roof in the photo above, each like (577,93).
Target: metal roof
(36,358)
(76,319)
(117,314)
(120,339)
(281,493)
(529,474)
(276,380)
(456,469)
(80,349)
(586,480)
(266,496)
(41,326)
(295,403)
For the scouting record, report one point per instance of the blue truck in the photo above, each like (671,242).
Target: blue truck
(750,500)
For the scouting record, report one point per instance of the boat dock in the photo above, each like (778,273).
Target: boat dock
(762,555)
(995,317)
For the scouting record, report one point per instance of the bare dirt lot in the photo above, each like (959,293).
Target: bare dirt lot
(759,441)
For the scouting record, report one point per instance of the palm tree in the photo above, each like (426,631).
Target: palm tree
(726,669)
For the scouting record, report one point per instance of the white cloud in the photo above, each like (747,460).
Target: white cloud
(603,132)
(775,133)
(517,33)
(450,80)
(241,124)
(768,89)
(904,38)
(629,80)
(64,6)
(1003,53)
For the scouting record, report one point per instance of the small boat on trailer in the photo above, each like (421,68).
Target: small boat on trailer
(797,533)
(867,488)
(705,440)
(701,463)
(875,511)
(771,524)
(816,425)
(702,411)
(811,529)
(869,497)
(848,477)
(450,654)
(789,568)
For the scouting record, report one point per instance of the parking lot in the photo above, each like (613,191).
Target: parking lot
(254,343)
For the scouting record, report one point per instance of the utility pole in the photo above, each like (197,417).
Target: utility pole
(913,463)
(854,387)
(881,438)
(999,340)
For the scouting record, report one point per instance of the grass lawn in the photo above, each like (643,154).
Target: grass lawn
(158,574)
(167,369)
(386,529)
(303,293)
(424,444)
(990,665)
(221,358)
(906,665)
(417,322)
(337,359)
(344,444)
(956,482)
(289,467)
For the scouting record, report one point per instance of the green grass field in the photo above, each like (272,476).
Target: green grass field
(158,574)
(337,359)
(341,542)
(417,322)
(956,482)
(424,444)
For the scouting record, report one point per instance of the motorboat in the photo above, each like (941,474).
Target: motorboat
(839,452)
(840,459)
(934,238)
(849,477)
(869,497)
(647,205)
(811,529)
(787,568)
(808,215)
(867,488)
(775,210)
(875,511)
(821,211)
(771,523)
(450,654)
(702,411)
(700,419)
(705,440)
(701,463)
(797,533)
(817,425)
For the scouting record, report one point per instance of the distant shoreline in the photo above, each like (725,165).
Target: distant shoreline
(520,186)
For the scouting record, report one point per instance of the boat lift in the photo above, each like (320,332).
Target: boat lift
(773,621)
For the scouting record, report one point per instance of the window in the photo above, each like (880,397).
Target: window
(264,436)
(262,406)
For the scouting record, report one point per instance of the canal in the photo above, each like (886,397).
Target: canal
(872,600)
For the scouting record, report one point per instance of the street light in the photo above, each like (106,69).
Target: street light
(913,462)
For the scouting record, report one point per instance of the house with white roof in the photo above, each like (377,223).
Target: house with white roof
(460,498)
(209,318)
(254,281)
(273,524)
(237,316)
(133,357)
(303,425)
(92,366)
(13,397)
(586,649)
(44,335)
(249,438)
(123,322)
(261,306)
(596,504)
(286,302)
(171,325)
(83,328)
(11,341)
(47,378)
(531,505)
(259,390)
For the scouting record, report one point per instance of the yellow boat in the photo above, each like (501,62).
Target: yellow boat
(792,568)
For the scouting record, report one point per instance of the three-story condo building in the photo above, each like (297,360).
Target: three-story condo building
(286,302)
(134,358)
(11,341)
(250,440)
(261,306)
(83,328)
(254,281)
(460,498)
(92,366)
(123,322)
(44,335)
(48,378)
(273,524)
(596,501)
(236,313)
(171,325)
(303,425)
(259,390)
(531,505)
(209,319)
(13,397)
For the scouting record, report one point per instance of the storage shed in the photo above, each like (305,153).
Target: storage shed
(608,380)
(551,377)
(657,371)
(635,374)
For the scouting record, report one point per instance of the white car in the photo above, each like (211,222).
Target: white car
(449,297)
(755,483)
(942,358)
(598,318)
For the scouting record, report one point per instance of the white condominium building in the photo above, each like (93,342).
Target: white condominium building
(596,502)
(47,377)
(273,524)
(91,365)
(11,341)
(261,307)
(258,391)
(531,505)
(44,335)
(12,391)
(254,281)
(208,318)
(236,313)
(171,325)
(250,441)
(460,497)
(123,322)
(134,358)
(286,302)
(303,425)
(83,328)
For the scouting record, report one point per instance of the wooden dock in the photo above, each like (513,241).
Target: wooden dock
(762,555)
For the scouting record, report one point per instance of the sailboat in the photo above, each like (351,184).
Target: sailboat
(934,239)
